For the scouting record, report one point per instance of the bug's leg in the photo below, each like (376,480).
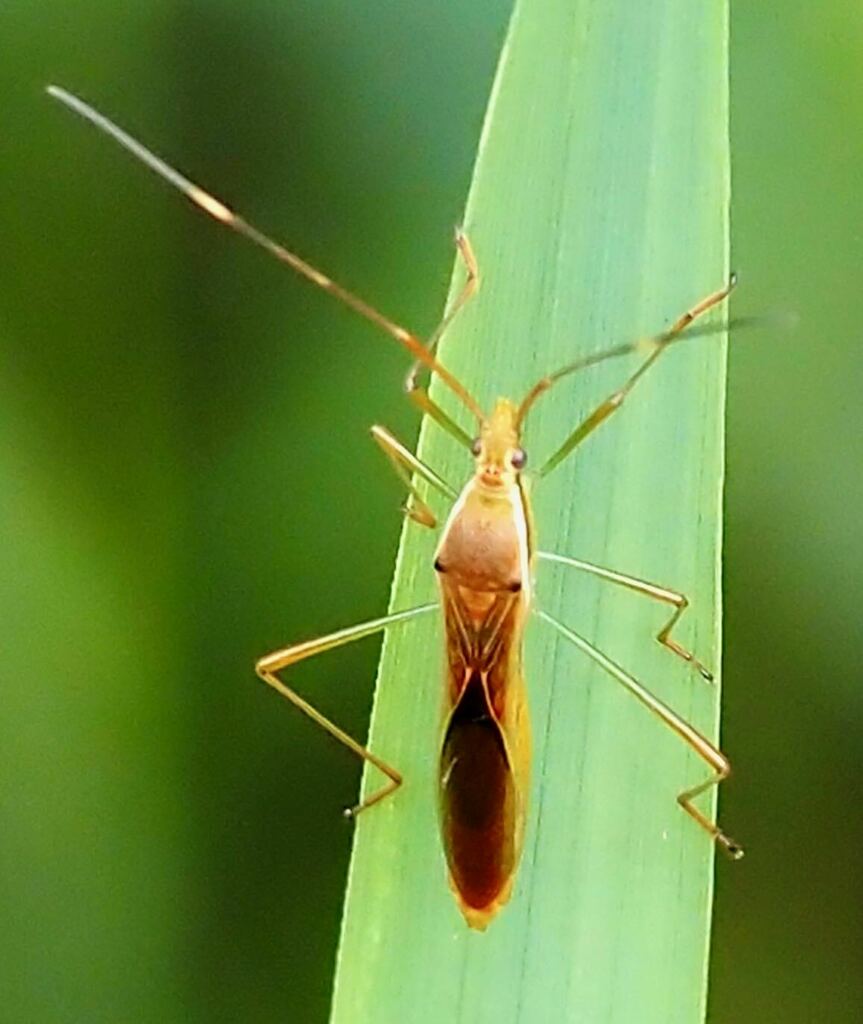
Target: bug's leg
(672,597)
(216,209)
(469,289)
(269,666)
(415,391)
(712,755)
(406,464)
(602,412)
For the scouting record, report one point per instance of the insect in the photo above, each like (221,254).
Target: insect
(484,564)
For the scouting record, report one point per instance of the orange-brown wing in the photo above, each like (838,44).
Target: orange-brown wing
(478,804)
(485,751)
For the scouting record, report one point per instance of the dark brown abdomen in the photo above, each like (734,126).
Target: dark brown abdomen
(478,800)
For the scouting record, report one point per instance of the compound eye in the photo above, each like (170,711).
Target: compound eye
(476,446)
(519,459)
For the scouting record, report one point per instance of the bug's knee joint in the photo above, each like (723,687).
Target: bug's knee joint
(263,671)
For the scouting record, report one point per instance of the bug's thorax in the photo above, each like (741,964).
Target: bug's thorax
(485,547)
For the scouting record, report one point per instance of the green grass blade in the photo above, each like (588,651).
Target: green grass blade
(599,212)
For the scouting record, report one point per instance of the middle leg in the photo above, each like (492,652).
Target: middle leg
(658,593)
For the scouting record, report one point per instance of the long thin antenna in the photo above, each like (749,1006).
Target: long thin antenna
(222,213)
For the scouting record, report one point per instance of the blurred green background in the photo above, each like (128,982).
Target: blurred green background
(186,482)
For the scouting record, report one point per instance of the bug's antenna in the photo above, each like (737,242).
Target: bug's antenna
(225,215)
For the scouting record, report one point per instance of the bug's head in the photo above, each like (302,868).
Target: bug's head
(498,452)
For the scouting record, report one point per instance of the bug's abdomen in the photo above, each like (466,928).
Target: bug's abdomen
(478,805)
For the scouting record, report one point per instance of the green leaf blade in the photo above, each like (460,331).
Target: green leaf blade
(598,212)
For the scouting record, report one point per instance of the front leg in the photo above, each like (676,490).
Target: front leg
(406,464)
(416,392)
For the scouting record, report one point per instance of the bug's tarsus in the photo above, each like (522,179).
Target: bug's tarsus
(728,845)
(418,512)
(352,813)
(708,302)
(705,673)
(732,849)
(663,637)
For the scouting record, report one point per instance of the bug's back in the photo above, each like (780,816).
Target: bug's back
(483,565)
